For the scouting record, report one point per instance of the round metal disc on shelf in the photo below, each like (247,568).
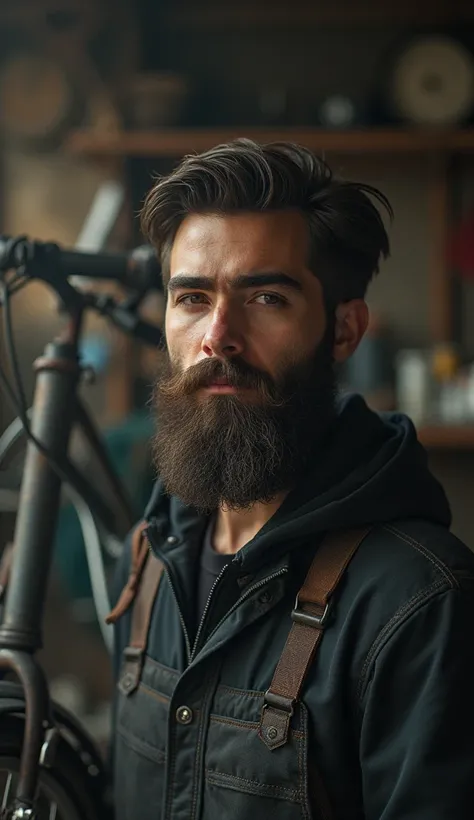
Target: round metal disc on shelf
(432,82)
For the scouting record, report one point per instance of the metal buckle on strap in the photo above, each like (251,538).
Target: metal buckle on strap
(132,653)
(308,618)
(131,671)
(279,702)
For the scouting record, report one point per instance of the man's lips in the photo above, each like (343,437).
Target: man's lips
(221,385)
(220,388)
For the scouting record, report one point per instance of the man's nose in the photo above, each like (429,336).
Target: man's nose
(223,337)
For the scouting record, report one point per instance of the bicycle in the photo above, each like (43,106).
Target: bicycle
(51,767)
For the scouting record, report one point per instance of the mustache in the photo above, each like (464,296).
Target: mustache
(236,372)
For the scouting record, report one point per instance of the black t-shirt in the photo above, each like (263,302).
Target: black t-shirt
(211,565)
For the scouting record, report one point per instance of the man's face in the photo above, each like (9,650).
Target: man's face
(240,287)
(248,384)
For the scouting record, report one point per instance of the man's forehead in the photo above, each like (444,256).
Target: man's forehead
(251,240)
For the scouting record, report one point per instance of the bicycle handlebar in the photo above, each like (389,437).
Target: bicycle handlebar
(137,270)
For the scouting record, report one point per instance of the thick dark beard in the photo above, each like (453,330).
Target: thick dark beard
(221,450)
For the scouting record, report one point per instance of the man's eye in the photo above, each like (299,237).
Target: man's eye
(191,299)
(270,299)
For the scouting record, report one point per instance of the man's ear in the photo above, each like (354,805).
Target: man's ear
(351,320)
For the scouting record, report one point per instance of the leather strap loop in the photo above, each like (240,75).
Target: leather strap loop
(140,590)
(134,653)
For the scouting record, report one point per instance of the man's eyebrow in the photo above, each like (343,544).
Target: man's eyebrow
(276,277)
(185,281)
(252,280)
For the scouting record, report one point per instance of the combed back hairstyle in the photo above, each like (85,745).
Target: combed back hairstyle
(347,236)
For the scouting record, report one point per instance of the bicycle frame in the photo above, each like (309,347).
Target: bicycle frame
(54,412)
(56,409)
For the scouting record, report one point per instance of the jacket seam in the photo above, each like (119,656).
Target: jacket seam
(421,548)
(239,724)
(196,768)
(198,761)
(278,791)
(401,615)
(303,765)
(248,725)
(251,693)
(171,760)
(152,693)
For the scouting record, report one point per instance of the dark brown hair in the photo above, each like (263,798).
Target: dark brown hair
(346,230)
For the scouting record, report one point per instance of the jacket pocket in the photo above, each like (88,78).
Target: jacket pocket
(139,753)
(243,778)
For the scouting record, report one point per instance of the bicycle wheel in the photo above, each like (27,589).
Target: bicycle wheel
(65,791)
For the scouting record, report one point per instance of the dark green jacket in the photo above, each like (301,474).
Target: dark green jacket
(387,710)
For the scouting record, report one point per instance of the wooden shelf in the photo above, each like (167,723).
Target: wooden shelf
(174,142)
(284,18)
(447,437)
(344,13)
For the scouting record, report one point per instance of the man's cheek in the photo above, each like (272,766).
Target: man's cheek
(175,361)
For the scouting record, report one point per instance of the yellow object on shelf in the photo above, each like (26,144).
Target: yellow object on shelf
(445,362)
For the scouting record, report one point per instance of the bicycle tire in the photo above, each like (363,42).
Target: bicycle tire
(65,783)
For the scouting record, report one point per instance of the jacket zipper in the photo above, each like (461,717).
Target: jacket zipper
(250,591)
(191,652)
(204,614)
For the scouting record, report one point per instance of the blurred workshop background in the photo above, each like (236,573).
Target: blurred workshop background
(97,96)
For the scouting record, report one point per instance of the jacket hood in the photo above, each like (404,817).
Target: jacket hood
(371,469)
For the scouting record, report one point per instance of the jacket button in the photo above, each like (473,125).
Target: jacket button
(265,598)
(171,540)
(184,715)
(127,682)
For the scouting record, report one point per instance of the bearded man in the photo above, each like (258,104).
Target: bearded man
(294,639)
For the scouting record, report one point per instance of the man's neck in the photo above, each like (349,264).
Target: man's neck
(234,528)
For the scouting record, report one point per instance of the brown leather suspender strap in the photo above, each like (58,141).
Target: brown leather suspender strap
(138,558)
(141,588)
(141,615)
(309,620)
